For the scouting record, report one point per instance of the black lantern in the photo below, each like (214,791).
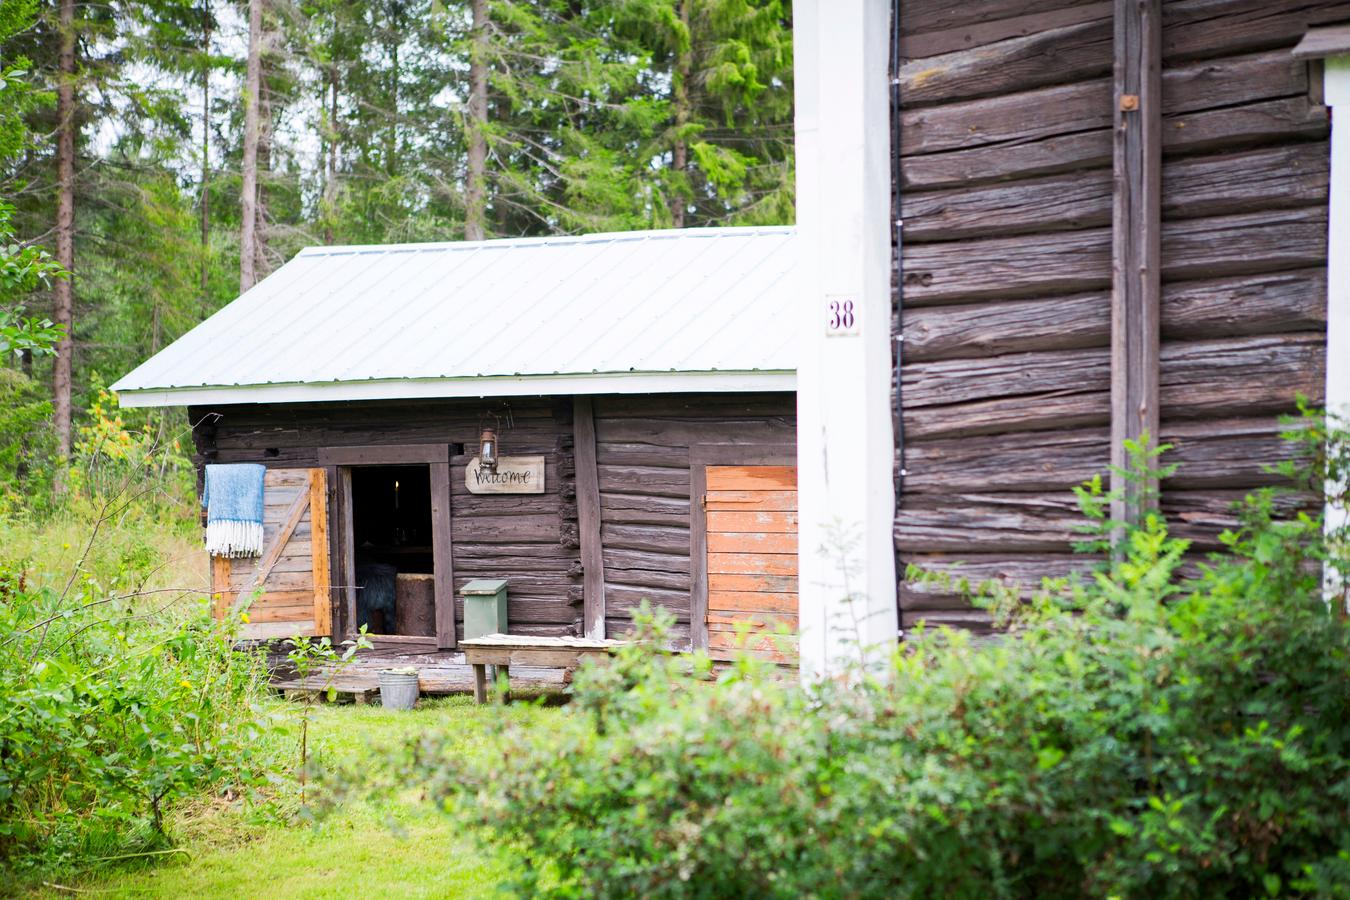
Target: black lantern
(487,449)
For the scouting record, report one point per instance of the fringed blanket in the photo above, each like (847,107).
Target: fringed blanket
(233,498)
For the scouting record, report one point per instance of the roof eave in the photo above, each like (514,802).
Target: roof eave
(482,386)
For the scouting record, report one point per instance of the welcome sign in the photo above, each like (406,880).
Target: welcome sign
(514,475)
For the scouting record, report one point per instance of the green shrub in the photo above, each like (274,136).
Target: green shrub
(121,697)
(1144,733)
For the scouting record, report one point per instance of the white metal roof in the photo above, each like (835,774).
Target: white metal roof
(707,309)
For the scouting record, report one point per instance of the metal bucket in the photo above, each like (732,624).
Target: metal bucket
(398,690)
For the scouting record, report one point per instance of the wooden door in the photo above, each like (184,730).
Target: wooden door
(291,577)
(751,528)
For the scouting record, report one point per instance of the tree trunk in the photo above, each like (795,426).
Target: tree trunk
(248,225)
(330,175)
(679,164)
(475,194)
(206,161)
(63,312)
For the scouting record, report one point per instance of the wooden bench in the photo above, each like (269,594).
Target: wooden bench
(507,650)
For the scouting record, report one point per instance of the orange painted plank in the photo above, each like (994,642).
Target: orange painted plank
(752,563)
(723,581)
(729,621)
(779,649)
(751,501)
(752,478)
(297,613)
(751,542)
(322,602)
(220,586)
(752,520)
(752,601)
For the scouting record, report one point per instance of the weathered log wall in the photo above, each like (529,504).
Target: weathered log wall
(533,540)
(642,455)
(529,539)
(1006,193)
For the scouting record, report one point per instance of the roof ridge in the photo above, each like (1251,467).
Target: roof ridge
(547,240)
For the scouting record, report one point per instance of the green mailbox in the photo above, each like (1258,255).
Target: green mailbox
(484,607)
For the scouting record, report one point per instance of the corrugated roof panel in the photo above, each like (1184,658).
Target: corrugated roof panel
(668,303)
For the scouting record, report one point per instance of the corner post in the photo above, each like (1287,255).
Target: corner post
(588,517)
(845,435)
(1337,93)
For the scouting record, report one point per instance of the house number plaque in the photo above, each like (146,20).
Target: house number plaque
(514,475)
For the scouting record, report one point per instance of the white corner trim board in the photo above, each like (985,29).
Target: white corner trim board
(845,438)
(1337,94)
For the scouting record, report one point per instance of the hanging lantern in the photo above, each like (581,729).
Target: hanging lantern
(487,449)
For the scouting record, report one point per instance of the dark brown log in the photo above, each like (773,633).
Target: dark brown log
(1203,28)
(1256,242)
(1250,304)
(1004,523)
(1260,304)
(415,604)
(962,271)
(1241,376)
(931,27)
(507,529)
(1201,516)
(986,329)
(698,407)
(1066,109)
(1033,265)
(682,433)
(1268,178)
(646,579)
(655,538)
(638,509)
(1023,571)
(1222,129)
(641,560)
(949,382)
(616,454)
(623,599)
(1031,391)
(654,481)
(1067,408)
(976,621)
(1225,453)
(1030,461)
(1048,55)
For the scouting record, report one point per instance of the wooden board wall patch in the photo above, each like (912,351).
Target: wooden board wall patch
(514,475)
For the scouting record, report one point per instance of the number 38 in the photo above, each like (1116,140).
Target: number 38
(841,315)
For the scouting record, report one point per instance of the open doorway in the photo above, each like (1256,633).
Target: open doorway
(392,542)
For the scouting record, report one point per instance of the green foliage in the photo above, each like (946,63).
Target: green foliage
(1142,733)
(122,698)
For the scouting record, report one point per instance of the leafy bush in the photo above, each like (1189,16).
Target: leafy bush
(1145,733)
(121,697)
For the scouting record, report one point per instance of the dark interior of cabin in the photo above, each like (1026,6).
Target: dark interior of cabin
(391,530)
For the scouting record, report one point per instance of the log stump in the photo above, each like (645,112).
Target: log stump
(415,604)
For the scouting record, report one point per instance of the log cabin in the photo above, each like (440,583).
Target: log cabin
(639,390)
(1075,221)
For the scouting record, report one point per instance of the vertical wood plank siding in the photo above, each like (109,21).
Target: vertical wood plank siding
(1006,196)
(642,481)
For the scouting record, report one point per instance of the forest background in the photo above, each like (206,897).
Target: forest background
(157,157)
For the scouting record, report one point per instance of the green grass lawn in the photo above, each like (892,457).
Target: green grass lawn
(397,847)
